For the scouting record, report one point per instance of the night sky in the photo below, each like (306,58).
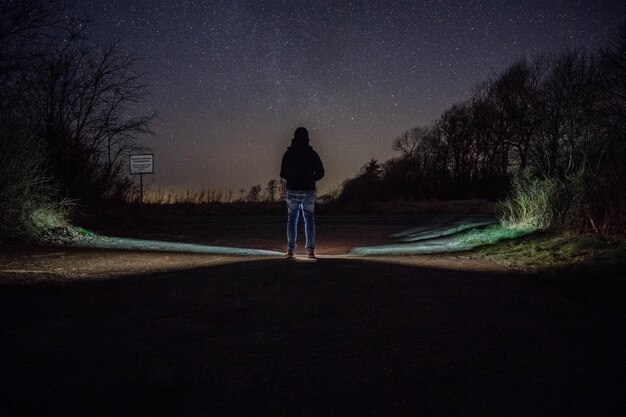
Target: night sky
(232,79)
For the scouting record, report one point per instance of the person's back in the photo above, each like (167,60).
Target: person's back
(301,167)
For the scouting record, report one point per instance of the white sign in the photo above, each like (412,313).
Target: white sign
(142,164)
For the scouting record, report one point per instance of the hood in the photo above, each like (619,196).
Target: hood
(300,143)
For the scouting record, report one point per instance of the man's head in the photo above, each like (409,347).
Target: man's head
(301,133)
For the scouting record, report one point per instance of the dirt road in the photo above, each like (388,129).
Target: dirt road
(107,333)
(335,234)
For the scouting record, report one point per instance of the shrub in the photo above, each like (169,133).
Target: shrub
(29,209)
(541,203)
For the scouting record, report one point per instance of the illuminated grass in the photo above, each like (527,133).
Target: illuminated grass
(491,235)
(50,225)
(542,203)
(465,240)
(416,234)
(106,242)
(84,232)
(48,218)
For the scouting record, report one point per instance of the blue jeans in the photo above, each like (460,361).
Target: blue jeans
(297,200)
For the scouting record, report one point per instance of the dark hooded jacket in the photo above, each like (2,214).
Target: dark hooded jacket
(301,165)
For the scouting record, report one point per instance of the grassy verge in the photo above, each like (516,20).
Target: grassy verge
(556,250)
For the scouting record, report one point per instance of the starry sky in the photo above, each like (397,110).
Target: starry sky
(232,79)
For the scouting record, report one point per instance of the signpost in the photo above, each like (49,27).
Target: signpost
(141,164)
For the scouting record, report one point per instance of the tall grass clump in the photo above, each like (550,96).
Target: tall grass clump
(29,207)
(542,203)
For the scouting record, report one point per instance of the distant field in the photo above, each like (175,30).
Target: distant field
(392,208)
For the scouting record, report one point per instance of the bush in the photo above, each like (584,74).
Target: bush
(542,203)
(29,209)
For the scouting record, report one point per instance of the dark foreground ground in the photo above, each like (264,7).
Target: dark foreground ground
(115,333)
(332,337)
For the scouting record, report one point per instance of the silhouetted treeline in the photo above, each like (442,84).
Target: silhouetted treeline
(561,117)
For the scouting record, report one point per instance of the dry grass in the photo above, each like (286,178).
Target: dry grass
(542,203)
(203,196)
(556,250)
(29,206)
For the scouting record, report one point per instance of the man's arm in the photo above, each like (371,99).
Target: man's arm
(283,167)
(319,168)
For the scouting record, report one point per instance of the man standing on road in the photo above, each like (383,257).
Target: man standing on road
(301,168)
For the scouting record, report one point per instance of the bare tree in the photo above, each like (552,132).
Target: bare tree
(270,190)
(457,142)
(565,105)
(523,82)
(607,202)
(83,96)
(27,28)
(612,83)
(416,151)
(282,190)
(254,195)
(411,143)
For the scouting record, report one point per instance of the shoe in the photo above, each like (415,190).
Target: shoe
(311,254)
(288,254)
